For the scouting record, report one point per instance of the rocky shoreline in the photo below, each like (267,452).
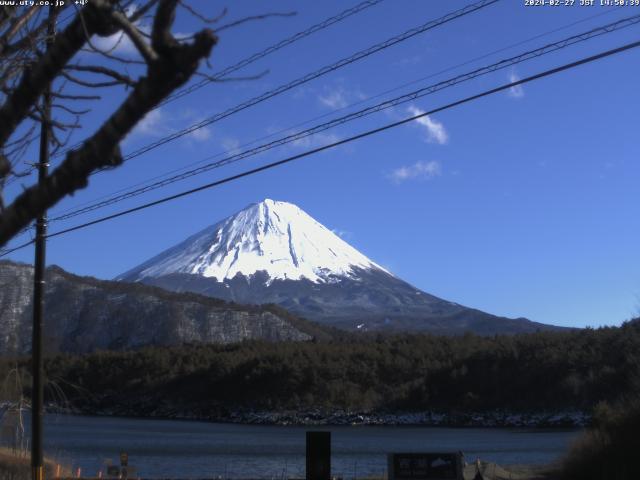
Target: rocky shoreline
(497,419)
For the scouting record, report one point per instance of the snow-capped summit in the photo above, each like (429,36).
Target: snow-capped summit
(276,237)
(273,252)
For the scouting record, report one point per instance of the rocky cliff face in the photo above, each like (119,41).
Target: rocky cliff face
(84,314)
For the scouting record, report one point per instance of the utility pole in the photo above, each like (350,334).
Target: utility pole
(37,394)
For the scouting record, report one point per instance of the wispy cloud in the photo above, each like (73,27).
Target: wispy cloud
(117,44)
(316,140)
(436,132)
(413,60)
(201,134)
(190,116)
(154,123)
(158,122)
(231,145)
(516,91)
(334,99)
(339,97)
(419,170)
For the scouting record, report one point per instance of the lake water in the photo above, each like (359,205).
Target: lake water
(187,449)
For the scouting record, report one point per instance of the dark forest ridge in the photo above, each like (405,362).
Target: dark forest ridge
(540,372)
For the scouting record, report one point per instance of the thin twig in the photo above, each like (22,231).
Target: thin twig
(87,83)
(212,78)
(124,79)
(70,110)
(199,16)
(66,96)
(252,18)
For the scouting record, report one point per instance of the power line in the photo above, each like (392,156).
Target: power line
(7,251)
(259,55)
(273,48)
(246,61)
(347,107)
(549,48)
(359,136)
(316,74)
(324,70)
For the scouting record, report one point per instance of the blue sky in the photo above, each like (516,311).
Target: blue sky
(521,204)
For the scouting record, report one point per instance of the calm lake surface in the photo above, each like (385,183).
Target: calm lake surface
(187,449)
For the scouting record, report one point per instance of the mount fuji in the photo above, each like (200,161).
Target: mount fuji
(273,252)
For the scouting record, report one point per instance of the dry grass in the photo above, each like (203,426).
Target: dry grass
(609,450)
(16,465)
(493,471)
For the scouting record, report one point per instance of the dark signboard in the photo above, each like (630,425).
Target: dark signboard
(425,466)
(318,456)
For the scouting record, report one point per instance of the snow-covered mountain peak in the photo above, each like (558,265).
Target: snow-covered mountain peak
(272,236)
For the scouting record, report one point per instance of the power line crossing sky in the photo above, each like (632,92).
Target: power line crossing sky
(521,204)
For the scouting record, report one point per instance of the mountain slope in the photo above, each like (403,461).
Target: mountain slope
(84,314)
(273,252)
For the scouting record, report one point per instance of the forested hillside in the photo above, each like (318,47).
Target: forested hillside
(546,370)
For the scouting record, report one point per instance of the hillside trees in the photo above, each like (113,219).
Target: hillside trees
(545,370)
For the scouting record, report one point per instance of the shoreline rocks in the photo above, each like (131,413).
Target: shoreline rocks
(313,417)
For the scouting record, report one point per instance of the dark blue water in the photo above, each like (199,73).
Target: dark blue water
(186,449)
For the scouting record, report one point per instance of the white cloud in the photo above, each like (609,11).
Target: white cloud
(334,99)
(436,133)
(316,140)
(424,170)
(154,123)
(187,117)
(159,122)
(201,134)
(516,91)
(340,97)
(231,146)
(413,60)
(116,44)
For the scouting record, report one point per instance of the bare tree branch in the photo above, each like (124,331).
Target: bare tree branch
(70,110)
(34,80)
(124,79)
(5,15)
(64,96)
(214,79)
(161,39)
(27,68)
(175,64)
(199,16)
(88,83)
(135,36)
(141,11)
(15,27)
